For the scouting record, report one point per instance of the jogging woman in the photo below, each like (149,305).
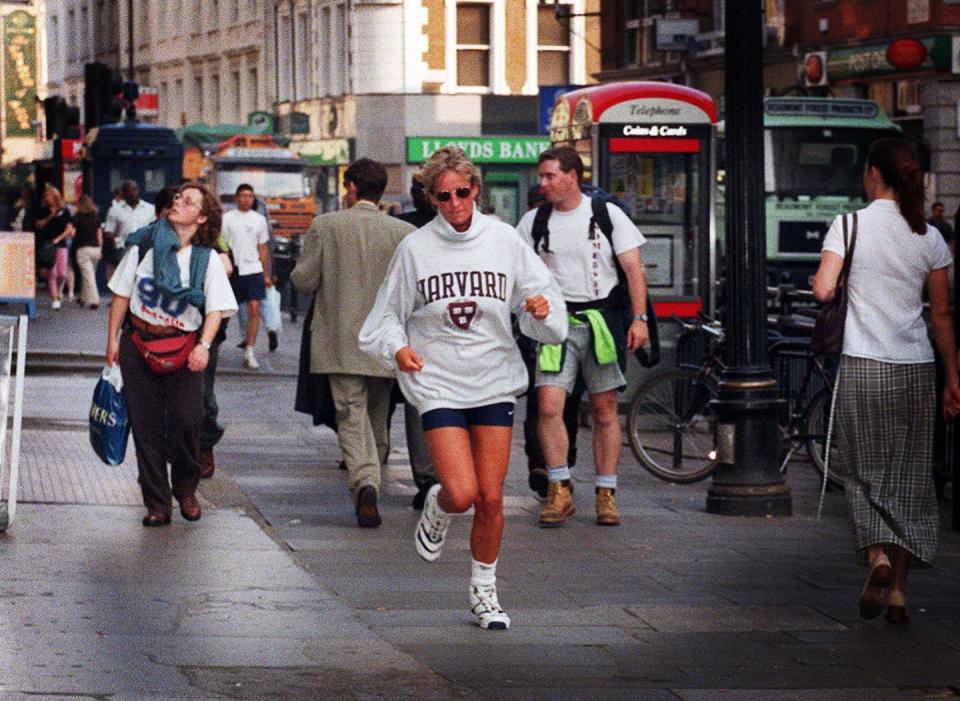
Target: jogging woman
(442,317)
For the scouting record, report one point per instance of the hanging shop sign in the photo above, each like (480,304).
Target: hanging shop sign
(935,53)
(20,72)
(519,150)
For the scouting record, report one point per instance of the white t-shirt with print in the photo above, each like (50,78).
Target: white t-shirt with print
(584,268)
(887,275)
(243,232)
(136,282)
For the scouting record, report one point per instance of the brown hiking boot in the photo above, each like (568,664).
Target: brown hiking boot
(559,505)
(607,514)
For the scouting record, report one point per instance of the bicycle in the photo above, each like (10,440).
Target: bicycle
(671,423)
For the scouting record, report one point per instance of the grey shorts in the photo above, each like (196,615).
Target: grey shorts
(579,358)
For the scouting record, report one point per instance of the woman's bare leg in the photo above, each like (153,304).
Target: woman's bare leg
(491,458)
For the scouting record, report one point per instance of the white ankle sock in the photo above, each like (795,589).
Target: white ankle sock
(558,473)
(606,481)
(482,573)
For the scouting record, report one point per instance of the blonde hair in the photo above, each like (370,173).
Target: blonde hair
(56,193)
(444,159)
(86,206)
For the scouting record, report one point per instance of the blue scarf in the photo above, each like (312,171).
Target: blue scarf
(161,236)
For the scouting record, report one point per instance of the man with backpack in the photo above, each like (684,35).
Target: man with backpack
(593,250)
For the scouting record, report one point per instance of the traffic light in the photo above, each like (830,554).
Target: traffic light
(55,114)
(101,101)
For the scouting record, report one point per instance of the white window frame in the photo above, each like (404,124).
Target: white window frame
(498,39)
(577,48)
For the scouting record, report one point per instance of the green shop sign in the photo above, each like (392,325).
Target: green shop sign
(20,73)
(492,149)
(871,60)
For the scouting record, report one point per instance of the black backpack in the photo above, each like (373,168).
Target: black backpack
(619,297)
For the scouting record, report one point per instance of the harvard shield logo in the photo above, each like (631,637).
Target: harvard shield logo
(462,313)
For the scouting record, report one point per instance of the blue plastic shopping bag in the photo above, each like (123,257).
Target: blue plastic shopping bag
(109,424)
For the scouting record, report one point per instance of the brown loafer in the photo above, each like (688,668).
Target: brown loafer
(368,516)
(878,579)
(207,465)
(156,518)
(190,508)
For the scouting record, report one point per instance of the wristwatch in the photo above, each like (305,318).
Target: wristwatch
(205,344)
(640,317)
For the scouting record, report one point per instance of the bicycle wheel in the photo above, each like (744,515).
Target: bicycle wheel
(815,423)
(670,426)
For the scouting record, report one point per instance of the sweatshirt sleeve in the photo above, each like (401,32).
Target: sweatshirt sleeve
(384,332)
(533,278)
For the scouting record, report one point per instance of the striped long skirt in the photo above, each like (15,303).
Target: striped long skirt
(885,422)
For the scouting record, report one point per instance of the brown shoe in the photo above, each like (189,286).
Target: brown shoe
(190,508)
(368,516)
(896,607)
(156,518)
(878,579)
(559,505)
(207,465)
(607,514)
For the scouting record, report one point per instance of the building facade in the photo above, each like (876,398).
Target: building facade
(23,75)
(394,80)
(905,54)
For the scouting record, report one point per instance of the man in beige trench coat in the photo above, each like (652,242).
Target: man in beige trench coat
(344,261)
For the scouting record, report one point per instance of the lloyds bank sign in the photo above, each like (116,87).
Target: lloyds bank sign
(480,149)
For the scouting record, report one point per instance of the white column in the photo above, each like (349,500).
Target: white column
(450,45)
(578,59)
(498,49)
(531,84)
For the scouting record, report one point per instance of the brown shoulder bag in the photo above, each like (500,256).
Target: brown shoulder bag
(828,329)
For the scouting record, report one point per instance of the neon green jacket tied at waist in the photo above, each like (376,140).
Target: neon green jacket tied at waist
(604,342)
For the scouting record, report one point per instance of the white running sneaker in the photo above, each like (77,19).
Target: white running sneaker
(432,528)
(486,608)
(250,359)
(55,304)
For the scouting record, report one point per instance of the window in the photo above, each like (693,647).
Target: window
(473,44)
(87,45)
(302,56)
(198,97)
(284,59)
(214,14)
(72,53)
(553,48)
(234,11)
(54,43)
(323,87)
(236,95)
(179,112)
(164,102)
(252,91)
(215,98)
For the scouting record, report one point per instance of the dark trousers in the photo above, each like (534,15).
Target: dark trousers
(165,415)
(210,431)
(571,413)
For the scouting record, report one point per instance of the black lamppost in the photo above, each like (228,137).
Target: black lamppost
(748,480)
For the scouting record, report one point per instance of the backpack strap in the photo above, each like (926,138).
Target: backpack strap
(541,231)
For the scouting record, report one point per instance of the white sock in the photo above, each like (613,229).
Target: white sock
(558,473)
(483,574)
(607,481)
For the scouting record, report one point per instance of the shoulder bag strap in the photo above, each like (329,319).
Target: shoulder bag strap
(848,247)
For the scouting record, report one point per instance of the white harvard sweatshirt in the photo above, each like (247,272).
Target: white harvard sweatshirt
(449,295)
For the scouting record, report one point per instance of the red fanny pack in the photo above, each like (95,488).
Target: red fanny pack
(165,354)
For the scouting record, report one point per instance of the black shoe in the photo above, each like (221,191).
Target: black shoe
(242,344)
(421,496)
(537,479)
(342,465)
(272,341)
(367,514)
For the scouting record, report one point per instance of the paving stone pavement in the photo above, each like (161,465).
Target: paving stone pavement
(277,593)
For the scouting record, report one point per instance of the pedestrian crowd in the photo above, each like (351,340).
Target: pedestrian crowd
(455,313)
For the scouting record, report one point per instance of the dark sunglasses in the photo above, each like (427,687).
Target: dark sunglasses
(461,192)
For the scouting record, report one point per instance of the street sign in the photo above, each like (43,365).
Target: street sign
(493,149)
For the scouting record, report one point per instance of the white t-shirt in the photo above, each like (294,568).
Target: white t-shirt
(136,282)
(887,275)
(243,232)
(123,220)
(584,268)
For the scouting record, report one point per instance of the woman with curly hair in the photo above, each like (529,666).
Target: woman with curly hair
(169,295)
(442,318)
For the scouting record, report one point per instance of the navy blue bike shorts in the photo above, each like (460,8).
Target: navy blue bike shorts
(500,414)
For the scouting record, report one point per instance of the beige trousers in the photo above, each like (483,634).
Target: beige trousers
(362,405)
(87,259)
